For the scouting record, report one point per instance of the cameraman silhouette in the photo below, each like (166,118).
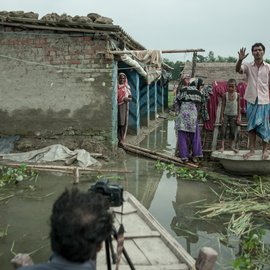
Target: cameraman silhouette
(80,222)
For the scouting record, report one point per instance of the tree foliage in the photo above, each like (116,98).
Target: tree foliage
(210,58)
(178,66)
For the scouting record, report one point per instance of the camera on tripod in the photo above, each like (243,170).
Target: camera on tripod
(113,192)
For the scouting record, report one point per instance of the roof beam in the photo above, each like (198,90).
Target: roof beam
(162,51)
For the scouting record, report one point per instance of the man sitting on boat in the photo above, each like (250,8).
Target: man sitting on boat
(80,222)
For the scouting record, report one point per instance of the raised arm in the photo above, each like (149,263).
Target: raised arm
(241,56)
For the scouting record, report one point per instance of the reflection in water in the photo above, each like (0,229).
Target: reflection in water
(167,198)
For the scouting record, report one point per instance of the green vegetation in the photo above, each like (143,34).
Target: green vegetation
(184,173)
(11,177)
(245,203)
(14,175)
(170,99)
(253,253)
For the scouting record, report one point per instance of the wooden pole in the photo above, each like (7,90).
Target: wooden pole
(183,51)
(217,122)
(162,51)
(63,168)
(77,175)
(206,259)
(194,59)
(157,156)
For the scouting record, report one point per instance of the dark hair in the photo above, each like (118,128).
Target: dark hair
(232,81)
(258,44)
(80,221)
(198,82)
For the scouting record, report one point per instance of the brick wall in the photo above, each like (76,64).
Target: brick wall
(53,82)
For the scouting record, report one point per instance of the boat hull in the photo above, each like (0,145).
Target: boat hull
(148,244)
(235,162)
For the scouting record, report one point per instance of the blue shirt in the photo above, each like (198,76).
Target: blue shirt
(57,262)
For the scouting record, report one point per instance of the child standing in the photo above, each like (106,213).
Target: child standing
(230,115)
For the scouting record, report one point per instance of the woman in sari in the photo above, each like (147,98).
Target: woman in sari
(186,123)
(123,99)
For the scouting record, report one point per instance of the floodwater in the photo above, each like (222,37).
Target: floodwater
(25,216)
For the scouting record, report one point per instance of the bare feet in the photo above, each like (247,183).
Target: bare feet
(235,150)
(121,143)
(221,150)
(265,155)
(249,154)
(194,160)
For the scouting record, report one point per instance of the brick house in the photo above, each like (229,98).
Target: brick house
(58,77)
(211,72)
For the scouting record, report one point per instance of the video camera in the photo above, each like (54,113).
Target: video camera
(113,192)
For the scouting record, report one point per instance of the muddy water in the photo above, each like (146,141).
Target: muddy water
(167,198)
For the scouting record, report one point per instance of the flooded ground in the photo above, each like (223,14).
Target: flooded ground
(25,215)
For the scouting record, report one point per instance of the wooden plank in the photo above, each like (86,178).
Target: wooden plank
(142,235)
(147,243)
(216,129)
(136,255)
(176,248)
(150,267)
(127,209)
(110,27)
(156,251)
(158,156)
(142,260)
(135,224)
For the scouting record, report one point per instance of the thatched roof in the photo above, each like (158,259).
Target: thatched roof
(211,72)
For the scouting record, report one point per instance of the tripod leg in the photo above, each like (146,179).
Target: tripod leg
(131,265)
(112,251)
(108,258)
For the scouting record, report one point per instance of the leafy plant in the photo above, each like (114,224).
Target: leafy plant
(185,173)
(253,254)
(14,175)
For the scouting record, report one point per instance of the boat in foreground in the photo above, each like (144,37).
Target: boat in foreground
(147,243)
(235,162)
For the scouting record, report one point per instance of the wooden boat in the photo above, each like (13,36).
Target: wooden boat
(147,243)
(234,162)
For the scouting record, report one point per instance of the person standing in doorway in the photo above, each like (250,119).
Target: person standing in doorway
(257,97)
(123,99)
(230,115)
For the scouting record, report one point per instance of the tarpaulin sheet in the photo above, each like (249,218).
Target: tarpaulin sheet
(56,152)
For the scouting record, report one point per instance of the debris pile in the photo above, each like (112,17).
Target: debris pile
(54,17)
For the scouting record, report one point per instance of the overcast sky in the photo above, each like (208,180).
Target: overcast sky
(221,26)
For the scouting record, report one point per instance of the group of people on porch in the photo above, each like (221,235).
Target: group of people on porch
(196,102)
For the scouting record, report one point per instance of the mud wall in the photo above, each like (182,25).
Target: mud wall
(53,83)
